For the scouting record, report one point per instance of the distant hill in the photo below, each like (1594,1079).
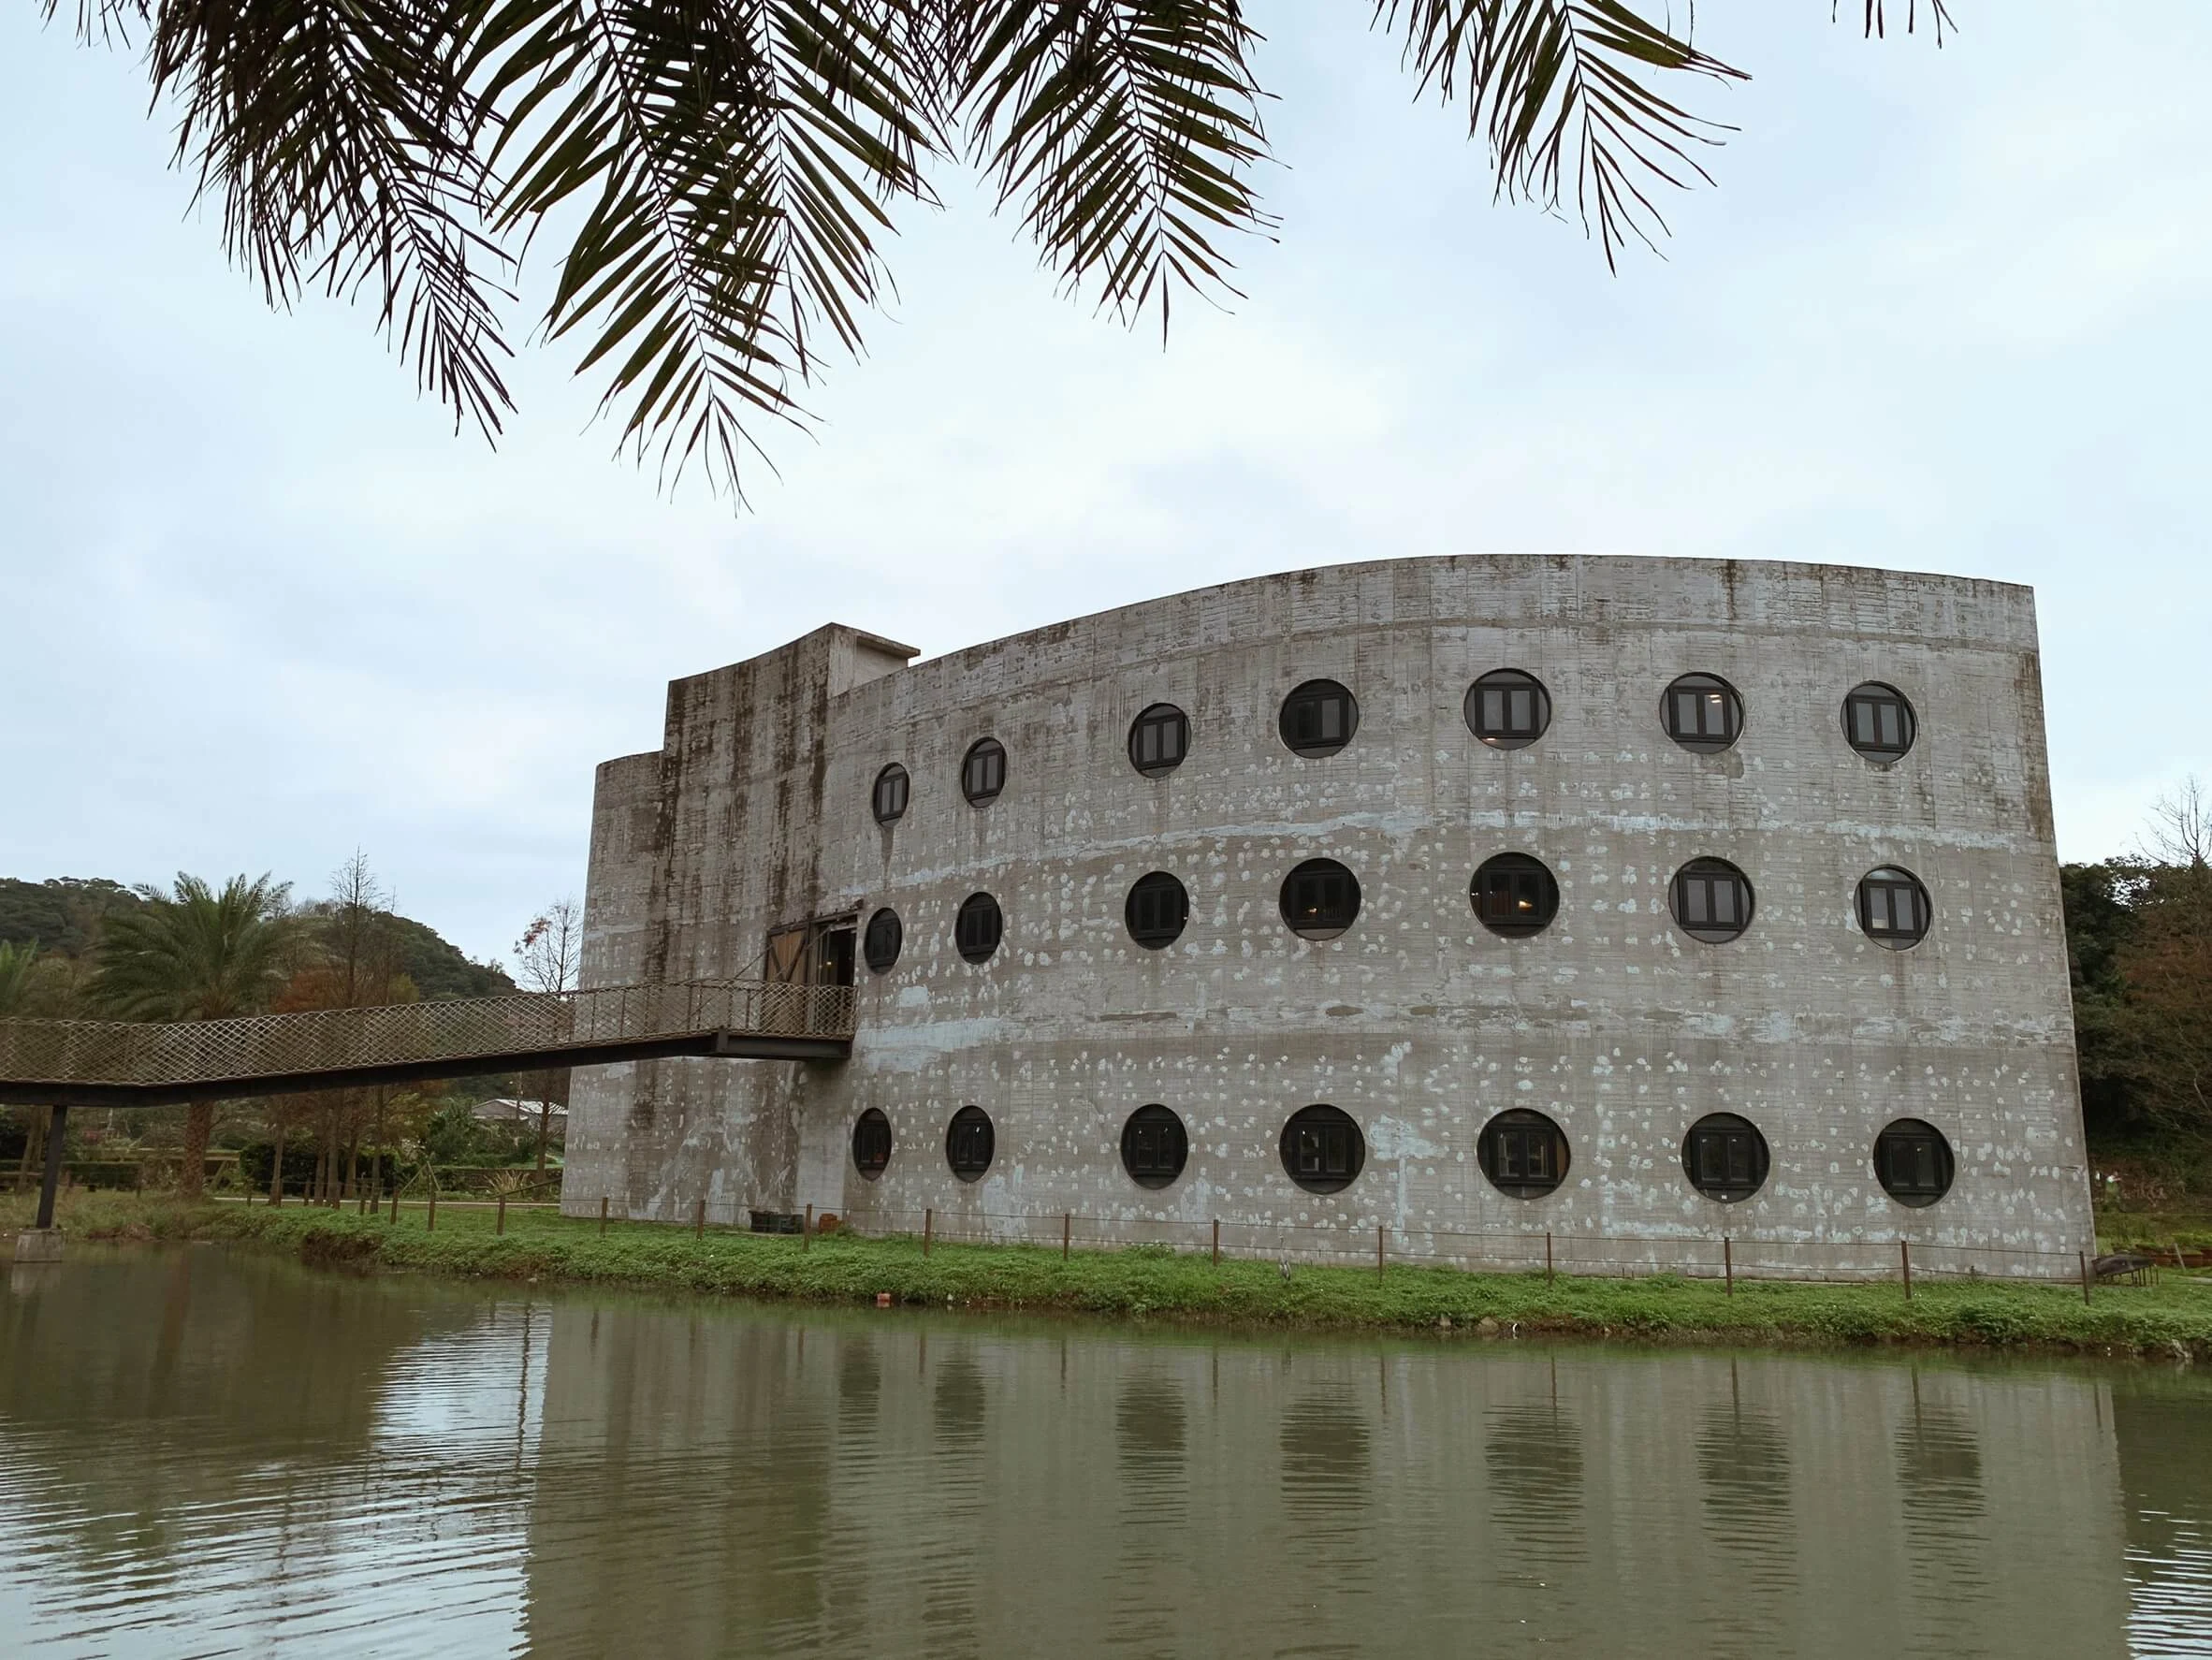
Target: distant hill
(64,913)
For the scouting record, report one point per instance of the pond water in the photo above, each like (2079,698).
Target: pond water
(204,1453)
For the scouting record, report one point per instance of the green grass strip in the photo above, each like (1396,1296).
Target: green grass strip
(2172,1319)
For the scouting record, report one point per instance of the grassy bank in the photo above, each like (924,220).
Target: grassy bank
(2170,1319)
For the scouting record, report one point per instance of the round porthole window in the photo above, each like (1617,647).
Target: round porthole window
(1318,718)
(871,1143)
(978,928)
(1160,738)
(879,944)
(1724,1157)
(1320,899)
(1522,1153)
(1514,893)
(1913,1162)
(1878,722)
(889,798)
(970,1143)
(1153,1146)
(1893,907)
(1322,1149)
(1507,709)
(1156,910)
(1712,899)
(983,771)
(1702,712)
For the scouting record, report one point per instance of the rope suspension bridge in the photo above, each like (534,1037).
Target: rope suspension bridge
(102,1063)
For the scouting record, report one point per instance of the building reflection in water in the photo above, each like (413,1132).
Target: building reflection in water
(255,1455)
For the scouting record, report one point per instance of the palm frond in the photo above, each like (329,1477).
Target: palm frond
(737,156)
(1128,129)
(1565,89)
(336,132)
(198,954)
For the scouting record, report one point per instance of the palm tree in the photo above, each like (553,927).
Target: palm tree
(196,954)
(724,171)
(17,965)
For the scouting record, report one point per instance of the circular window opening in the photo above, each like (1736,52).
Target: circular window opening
(889,798)
(1913,1162)
(1514,893)
(1157,911)
(1159,740)
(1878,722)
(983,771)
(871,1143)
(978,928)
(1893,907)
(879,944)
(970,1143)
(1713,900)
(1522,1153)
(1724,1157)
(1318,718)
(1153,1147)
(1320,899)
(1507,709)
(1703,713)
(1322,1149)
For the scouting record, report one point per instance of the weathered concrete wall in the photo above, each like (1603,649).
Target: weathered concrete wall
(1418,1022)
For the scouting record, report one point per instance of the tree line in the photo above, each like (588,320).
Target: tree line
(197,951)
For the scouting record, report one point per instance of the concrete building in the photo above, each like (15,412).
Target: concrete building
(1635,902)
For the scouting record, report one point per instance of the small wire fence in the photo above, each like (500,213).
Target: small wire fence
(1724,1257)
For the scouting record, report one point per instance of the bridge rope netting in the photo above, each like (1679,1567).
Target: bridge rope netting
(151,1061)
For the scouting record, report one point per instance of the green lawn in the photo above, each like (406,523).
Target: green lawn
(2166,1319)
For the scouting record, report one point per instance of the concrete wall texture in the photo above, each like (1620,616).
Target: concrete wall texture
(1418,1021)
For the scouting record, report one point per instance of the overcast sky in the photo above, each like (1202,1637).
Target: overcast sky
(1945,311)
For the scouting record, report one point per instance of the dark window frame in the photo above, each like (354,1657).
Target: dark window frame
(1304,719)
(1523,1153)
(1310,882)
(971,1143)
(1158,730)
(983,771)
(1323,1148)
(1877,904)
(1694,889)
(1155,1146)
(1708,692)
(1864,706)
(969,926)
(892,782)
(883,957)
(1935,1167)
(1504,888)
(872,1143)
(1515,726)
(1726,1157)
(1142,912)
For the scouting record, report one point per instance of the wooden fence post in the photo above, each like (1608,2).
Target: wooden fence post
(699,1221)
(1904,1253)
(1547,1257)
(2084,1274)
(501,1224)
(1379,1250)
(1728,1262)
(430,1224)
(395,1204)
(1067,1233)
(928,1225)
(1217,1242)
(806,1230)
(602,1215)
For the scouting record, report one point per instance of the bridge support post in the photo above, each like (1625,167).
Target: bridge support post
(43,1244)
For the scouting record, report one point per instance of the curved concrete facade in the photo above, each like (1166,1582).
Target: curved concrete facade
(1418,1021)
